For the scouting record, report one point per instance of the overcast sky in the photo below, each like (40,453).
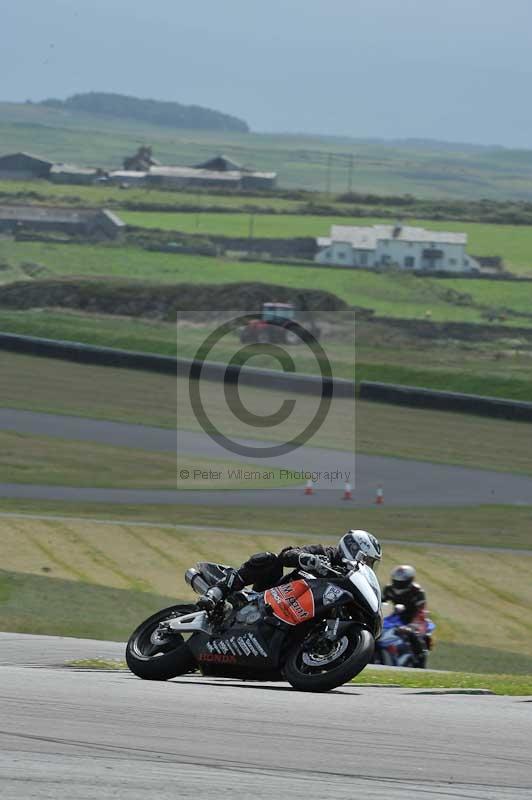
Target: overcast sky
(459,70)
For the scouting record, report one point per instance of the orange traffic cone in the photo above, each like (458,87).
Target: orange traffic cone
(348,494)
(309,489)
(379,500)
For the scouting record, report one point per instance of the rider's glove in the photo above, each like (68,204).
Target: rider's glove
(318,564)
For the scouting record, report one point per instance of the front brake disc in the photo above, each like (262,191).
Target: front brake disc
(322,659)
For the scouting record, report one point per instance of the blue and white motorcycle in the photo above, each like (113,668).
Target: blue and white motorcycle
(402,645)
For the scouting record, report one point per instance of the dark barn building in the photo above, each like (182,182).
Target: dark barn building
(220,164)
(21,166)
(249,178)
(97,223)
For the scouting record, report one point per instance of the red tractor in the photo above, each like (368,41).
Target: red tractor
(278,323)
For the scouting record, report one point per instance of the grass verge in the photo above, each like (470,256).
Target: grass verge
(97,663)
(59,462)
(52,606)
(519,685)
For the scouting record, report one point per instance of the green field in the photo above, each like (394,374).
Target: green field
(490,526)
(43,192)
(54,607)
(512,242)
(347,207)
(61,462)
(428,170)
(392,294)
(153,560)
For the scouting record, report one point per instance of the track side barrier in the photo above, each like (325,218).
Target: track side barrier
(151,362)
(445,401)
(269,379)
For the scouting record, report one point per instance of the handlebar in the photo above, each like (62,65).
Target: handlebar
(320,565)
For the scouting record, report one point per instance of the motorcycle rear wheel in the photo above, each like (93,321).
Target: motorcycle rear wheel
(159,660)
(353,659)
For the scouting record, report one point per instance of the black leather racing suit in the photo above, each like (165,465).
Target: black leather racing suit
(264,570)
(414,600)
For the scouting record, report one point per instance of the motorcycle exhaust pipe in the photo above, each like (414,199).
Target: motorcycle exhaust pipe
(196,580)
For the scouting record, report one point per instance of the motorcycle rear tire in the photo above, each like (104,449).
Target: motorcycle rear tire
(162,666)
(360,657)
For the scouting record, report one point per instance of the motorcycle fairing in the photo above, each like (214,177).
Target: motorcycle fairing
(327,595)
(292,603)
(237,645)
(367,589)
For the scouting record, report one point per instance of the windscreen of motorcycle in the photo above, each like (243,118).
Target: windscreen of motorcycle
(365,581)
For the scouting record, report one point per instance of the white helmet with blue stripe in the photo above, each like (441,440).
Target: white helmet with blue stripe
(355,541)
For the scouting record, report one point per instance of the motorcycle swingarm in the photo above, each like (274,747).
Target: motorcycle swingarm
(196,621)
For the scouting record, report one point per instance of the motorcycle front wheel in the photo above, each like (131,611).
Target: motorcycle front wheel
(159,658)
(311,667)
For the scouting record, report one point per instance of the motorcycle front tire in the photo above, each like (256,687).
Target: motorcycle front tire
(360,656)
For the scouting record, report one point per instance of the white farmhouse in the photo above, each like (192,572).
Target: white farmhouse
(400,245)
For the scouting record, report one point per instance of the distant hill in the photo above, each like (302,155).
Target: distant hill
(384,167)
(156,112)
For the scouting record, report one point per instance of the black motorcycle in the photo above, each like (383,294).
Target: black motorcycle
(317,631)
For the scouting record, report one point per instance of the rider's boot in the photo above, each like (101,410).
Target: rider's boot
(214,598)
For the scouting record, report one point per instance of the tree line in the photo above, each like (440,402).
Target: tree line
(156,112)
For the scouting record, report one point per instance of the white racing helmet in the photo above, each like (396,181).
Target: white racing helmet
(354,542)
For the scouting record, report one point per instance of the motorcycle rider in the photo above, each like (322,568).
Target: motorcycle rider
(403,591)
(264,570)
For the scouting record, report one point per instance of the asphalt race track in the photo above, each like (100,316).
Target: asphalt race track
(77,735)
(405,482)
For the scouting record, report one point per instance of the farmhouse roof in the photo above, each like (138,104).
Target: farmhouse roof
(193,172)
(36,213)
(221,164)
(366,238)
(114,218)
(127,173)
(71,169)
(29,156)
(260,174)
(30,213)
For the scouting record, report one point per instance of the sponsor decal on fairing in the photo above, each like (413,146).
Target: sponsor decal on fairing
(217,658)
(292,602)
(245,645)
(331,594)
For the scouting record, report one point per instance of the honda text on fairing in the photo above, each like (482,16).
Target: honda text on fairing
(316,630)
